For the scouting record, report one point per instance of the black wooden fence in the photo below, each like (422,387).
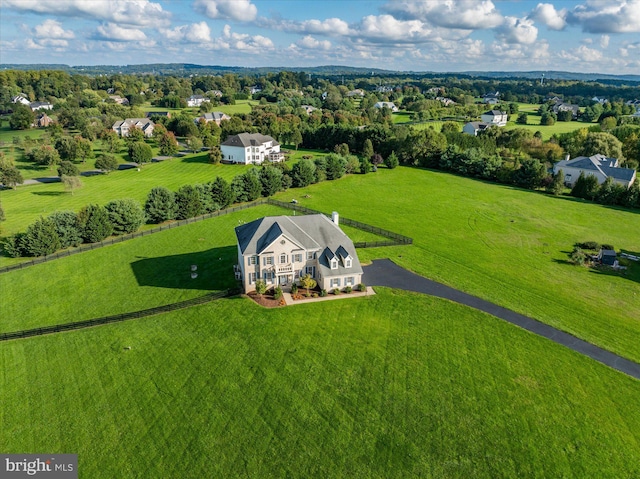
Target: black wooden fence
(394,238)
(207,298)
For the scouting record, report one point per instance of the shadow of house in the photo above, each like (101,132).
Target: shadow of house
(631,273)
(214,270)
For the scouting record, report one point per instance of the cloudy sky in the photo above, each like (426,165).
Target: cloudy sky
(418,35)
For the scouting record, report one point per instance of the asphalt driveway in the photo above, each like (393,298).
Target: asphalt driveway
(384,272)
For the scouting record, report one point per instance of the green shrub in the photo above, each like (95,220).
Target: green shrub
(160,205)
(362,287)
(577,256)
(66,223)
(323,293)
(94,223)
(41,238)
(607,246)
(589,245)
(13,245)
(66,168)
(126,215)
(348,289)
(277,292)
(336,291)
(294,288)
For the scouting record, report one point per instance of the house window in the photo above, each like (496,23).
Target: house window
(268,276)
(347,263)
(297,258)
(334,263)
(348,281)
(268,260)
(252,260)
(252,278)
(310,255)
(311,270)
(283,258)
(335,283)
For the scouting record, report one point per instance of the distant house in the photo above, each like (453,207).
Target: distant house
(602,101)
(251,148)
(386,104)
(357,92)
(197,100)
(41,105)
(597,165)
(384,89)
(42,121)
(491,98)
(281,249)
(21,98)
(445,101)
(216,93)
(119,100)
(574,109)
(608,257)
(216,116)
(308,109)
(474,127)
(495,117)
(255,89)
(122,127)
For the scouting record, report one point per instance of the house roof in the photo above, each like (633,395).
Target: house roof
(478,125)
(606,166)
(215,116)
(388,104)
(495,113)
(244,140)
(311,232)
(608,252)
(142,123)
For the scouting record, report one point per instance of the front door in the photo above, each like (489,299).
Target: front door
(283,280)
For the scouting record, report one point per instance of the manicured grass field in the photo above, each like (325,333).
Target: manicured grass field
(547,131)
(401,117)
(504,244)
(395,385)
(24,205)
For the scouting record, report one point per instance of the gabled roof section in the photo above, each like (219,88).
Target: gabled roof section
(244,140)
(494,113)
(272,234)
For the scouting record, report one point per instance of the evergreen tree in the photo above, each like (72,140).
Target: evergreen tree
(221,192)
(188,202)
(556,187)
(67,228)
(126,215)
(585,187)
(391,161)
(41,238)
(335,166)
(94,223)
(140,152)
(160,205)
(270,180)
(303,173)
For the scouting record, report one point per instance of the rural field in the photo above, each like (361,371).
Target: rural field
(503,244)
(394,385)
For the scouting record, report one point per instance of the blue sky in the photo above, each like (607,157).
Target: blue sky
(418,35)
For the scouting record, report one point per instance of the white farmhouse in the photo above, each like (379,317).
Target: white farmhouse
(281,249)
(251,148)
(495,117)
(197,100)
(597,165)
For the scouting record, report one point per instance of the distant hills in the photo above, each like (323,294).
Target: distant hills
(186,69)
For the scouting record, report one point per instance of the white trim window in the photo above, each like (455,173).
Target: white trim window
(252,278)
(268,260)
(310,255)
(252,260)
(334,283)
(283,258)
(268,276)
(297,258)
(334,263)
(348,281)
(347,262)
(311,270)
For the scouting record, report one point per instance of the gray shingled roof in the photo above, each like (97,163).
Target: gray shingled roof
(312,232)
(494,112)
(600,163)
(244,140)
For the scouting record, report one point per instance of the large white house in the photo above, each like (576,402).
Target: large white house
(251,148)
(386,104)
(597,165)
(475,127)
(495,117)
(122,127)
(281,249)
(197,100)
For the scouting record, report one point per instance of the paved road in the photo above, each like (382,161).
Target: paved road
(385,272)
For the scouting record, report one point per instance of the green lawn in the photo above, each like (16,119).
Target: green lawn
(23,205)
(547,131)
(501,243)
(401,117)
(395,385)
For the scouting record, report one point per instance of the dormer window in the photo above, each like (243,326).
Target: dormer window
(334,263)
(347,263)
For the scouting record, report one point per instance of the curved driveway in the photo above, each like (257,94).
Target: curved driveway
(384,272)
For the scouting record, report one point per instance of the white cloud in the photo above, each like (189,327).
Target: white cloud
(386,28)
(581,54)
(330,26)
(52,29)
(240,10)
(194,33)
(608,16)
(116,33)
(126,12)
(461,14)
(604,41)
(546,13)
(244,42)
(313,44)
(517,30)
